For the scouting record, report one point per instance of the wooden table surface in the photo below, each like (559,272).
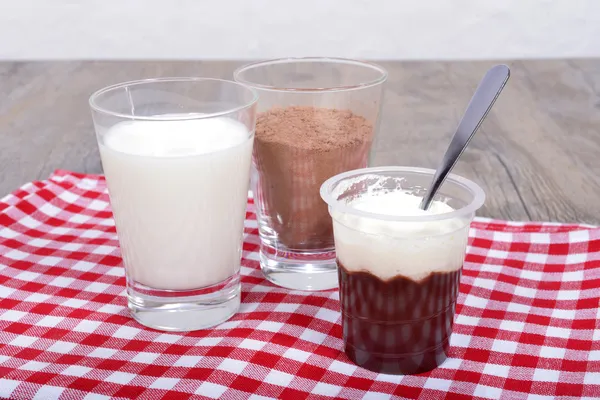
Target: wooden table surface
(537,155)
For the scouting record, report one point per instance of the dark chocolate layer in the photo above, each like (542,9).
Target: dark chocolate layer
(398,326)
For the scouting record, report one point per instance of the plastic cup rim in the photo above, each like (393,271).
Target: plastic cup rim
(337,206)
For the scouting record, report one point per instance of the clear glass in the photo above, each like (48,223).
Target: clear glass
(317,117)
(176,153)
(399,276)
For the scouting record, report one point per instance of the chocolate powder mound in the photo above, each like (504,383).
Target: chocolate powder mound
(296,149)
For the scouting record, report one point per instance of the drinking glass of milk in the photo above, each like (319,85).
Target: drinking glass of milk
(176,153)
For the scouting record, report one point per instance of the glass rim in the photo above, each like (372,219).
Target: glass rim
(466,184)
(176,117)
(290,60)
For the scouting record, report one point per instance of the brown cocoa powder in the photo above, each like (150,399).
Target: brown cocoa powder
(296,149)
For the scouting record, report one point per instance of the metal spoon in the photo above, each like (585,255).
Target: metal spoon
(481,103)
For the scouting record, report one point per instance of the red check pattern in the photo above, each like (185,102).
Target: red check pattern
(528,320)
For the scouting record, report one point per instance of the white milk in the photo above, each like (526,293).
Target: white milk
(397,248)
(178,191)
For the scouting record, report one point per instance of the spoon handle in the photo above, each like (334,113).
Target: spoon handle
(482,101)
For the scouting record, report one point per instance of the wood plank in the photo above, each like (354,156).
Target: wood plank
(537,155)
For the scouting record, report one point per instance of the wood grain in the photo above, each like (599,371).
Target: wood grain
(537,155)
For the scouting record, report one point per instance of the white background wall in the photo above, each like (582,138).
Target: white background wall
(243,29)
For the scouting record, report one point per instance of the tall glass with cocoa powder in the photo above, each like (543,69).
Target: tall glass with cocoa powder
(399,266)
(317,117)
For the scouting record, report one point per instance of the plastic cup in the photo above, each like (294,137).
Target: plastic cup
(399,276)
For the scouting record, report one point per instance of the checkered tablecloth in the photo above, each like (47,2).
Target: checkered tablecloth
(528,318)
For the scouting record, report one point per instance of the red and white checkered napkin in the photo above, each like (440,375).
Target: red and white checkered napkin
(527,322)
